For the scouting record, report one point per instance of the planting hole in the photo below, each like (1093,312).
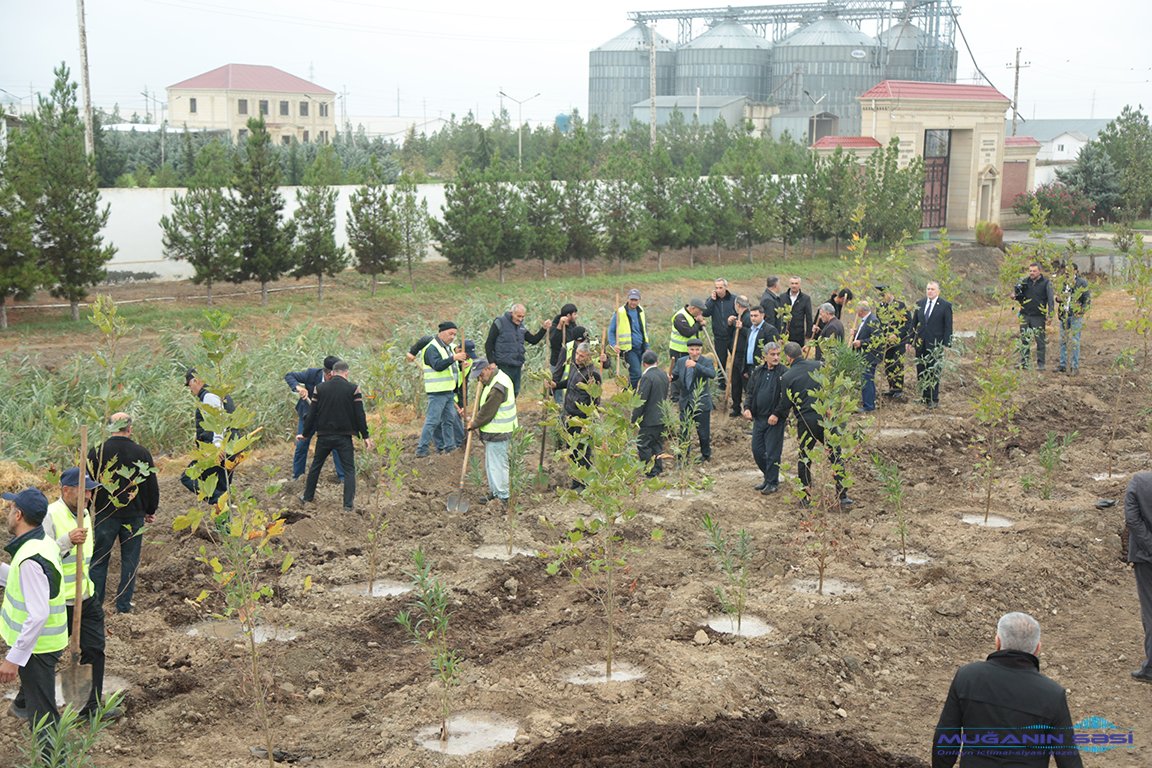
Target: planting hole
(593,674)
(994,521)
(750,626)
(468,733)
(500,552)
(1102,476)
(832,587)
(379,589)
(895,433)
(232,630)
(914,558)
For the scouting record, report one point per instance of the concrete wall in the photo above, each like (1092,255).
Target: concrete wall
(134,224)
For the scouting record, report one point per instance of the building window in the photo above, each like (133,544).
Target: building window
(283,109)
(304,110)
(323,137)
(192,106)
(242,134)
(264,107)
(285,140)
(1059,147)
(242,106)
(305,141)
(323,109)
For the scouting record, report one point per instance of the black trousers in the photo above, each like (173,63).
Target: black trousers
(91,653)
(809,433)
(38,687)
(767,446)
(223,481)
(582,449)
(341,445)
(649,445)
(739,379)
(1033,327)
(723,347)
(1144,592)
(929,367)
(703,432)
(894,368)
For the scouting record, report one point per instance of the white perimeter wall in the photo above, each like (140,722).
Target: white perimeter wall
(134,224)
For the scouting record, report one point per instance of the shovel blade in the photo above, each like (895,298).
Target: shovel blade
(457,502)
(76,684)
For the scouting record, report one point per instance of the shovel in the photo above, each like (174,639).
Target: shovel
(456,501)
(76,678)
(541,479)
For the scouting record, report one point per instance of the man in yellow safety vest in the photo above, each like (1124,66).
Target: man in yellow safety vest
(496,421)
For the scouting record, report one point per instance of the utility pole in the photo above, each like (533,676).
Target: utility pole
(651,86)
(86,86)
(1016,88)
(519,125)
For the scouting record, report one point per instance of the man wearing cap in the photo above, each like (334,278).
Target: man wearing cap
(561,333)
(303,384)
(582,373)
(336,415)
(496,420)
(455,435)
(894,326)
(506,339)
(633,342)
(721,307)
(692,377)
(686,325)
(127,498)
(440,363)
(649,415)
(62,525)
(33,621)
(207,399)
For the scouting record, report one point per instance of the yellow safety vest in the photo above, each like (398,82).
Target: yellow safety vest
(676,342)
(439,381)
(624,328)
(14,612)
(505,418)
(64,521)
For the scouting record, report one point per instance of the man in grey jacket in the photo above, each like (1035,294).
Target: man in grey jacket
(653,391)
(1138,517)
(692,378)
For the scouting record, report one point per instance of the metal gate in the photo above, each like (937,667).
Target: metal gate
(934,203)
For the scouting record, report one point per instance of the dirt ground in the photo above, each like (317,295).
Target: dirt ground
(852,679)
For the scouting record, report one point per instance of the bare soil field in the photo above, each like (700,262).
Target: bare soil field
(855,678)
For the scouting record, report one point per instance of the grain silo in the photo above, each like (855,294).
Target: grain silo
(619,74)
(910,53)
(822,68)
(727,60)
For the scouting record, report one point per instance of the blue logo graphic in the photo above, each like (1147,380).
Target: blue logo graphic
(1099,734)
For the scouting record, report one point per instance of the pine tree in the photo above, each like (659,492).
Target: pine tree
(891,196)
(198,232)
(542,208)
(412,223)
(470,232)
(621,215)
(59,188)
(373,228)
(315,249)
(514,231)
(265,239)
(20,275)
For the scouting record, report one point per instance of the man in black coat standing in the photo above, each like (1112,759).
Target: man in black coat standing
(303,384)
(127,498)
(993,706)
(931,333)
(1037,300)
(895,322)
(831,329)
(721,307)
(800,386)
(797,306)
(1138,517)
(770,300)
(336,415)
(692,378)
(760,405)
(652,388)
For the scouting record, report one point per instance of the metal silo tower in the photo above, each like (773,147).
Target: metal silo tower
(619,75)
(727,60)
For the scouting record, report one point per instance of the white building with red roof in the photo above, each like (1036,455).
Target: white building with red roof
(226,97)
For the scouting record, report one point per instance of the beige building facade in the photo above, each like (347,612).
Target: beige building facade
(225,98)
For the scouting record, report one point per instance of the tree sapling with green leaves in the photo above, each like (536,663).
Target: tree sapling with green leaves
(1051,454)
(892,483)
(733,557)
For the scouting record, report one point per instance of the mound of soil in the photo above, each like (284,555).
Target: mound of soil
(767,742)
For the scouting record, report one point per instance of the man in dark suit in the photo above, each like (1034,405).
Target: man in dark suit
(799,387)
(652,387)
(931,333)
(831,330)
(895,322)
(770,301)
(692,378)
(993,706)
(867,339)
(757,331)
(797,306)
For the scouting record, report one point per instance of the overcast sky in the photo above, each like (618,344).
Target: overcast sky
(440,57)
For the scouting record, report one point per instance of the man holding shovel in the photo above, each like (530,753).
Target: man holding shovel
(496,420)
(32,621)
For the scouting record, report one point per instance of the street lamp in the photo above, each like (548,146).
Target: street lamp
(519,126)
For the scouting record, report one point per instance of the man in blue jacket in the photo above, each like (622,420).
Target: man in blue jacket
(304,384)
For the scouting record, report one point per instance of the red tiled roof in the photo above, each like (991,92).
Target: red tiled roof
(911,89)
(251,77)
(1020,141)
(848,142)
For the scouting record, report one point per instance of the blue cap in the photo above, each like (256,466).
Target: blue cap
(31,503)
(470,348)
(71,479)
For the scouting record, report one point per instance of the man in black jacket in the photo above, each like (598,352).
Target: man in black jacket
(895,322)
(930,333)
(652,388)
(866,340)
(797,307)
(831,330)
(1138,517)
(1037,299)
(303,384)
(770,300)
(506,339)
(335,417)
(582,373)
(799,395)
(760,405)
(756,331)
(996,708)
(127,498)
(721,307)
